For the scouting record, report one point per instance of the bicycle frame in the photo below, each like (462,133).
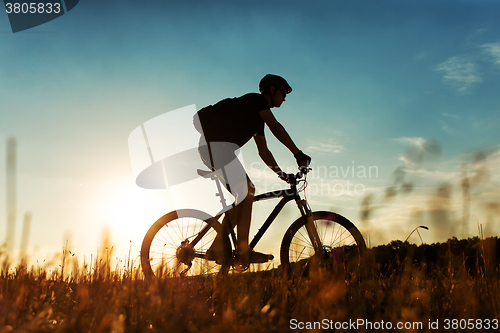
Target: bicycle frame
(286,195)
(303,207)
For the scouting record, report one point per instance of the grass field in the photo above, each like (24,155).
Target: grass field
(398,283)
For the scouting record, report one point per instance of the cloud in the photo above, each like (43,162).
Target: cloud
(438,175)
(329,147)
(447,128)
(413,141)
(460,72)
(493,49)
(449,115)
(422,55)
(445,124)
(422,150)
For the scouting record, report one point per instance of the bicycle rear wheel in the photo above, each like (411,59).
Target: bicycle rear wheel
(168,250)
(342,245)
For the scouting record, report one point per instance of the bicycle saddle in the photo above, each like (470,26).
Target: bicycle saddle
(205,173)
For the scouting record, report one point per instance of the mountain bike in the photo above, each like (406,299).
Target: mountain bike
(177,243)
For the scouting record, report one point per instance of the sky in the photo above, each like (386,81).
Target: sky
(396,102)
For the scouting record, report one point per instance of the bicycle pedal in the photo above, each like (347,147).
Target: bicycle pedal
(240,268)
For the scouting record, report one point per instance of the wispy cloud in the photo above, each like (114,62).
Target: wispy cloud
(423,149)
(460,72)
(449,115)
(449,118)
(447,128)
(493,49)
(329,147)
(422,55)
(413,141)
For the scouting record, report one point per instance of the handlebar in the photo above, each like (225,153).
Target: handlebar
(303,170)
(291,178)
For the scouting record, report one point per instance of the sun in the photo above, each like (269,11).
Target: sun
(133,210)
(125,211)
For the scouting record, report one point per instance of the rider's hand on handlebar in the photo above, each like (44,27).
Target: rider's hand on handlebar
(302,159)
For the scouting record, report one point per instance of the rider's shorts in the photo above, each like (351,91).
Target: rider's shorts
(221,158)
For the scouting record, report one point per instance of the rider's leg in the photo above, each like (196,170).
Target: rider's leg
(243,214)
(237,182)
(240,216)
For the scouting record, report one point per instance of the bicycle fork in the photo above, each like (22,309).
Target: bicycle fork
(312,232)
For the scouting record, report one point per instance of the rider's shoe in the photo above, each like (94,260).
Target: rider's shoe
(252,257)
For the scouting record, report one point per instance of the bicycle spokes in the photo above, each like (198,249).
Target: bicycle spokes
(176,245)
(329,239)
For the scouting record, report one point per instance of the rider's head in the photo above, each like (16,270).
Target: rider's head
(275,88)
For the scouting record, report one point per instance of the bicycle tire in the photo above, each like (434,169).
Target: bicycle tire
(163,255)
(342,243)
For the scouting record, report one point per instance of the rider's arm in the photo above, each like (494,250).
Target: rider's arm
(278,130)
(266,154)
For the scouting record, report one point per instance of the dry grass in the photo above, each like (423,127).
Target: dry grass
(92,297)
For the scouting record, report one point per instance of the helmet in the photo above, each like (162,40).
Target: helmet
(274,80)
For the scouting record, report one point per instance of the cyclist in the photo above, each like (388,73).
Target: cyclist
(235,121)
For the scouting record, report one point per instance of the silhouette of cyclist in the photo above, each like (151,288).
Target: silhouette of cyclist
(231,123)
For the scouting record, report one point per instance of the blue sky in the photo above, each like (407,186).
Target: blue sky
(376,83)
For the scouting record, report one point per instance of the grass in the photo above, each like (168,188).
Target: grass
(396,284)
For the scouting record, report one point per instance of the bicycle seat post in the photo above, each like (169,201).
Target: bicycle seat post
(220,194)
(217,178)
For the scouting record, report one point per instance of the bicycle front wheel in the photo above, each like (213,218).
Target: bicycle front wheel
(342,245)
(176,245)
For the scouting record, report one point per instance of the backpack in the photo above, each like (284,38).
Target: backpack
(211,114)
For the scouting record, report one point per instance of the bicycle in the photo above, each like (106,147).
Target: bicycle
(176,244)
